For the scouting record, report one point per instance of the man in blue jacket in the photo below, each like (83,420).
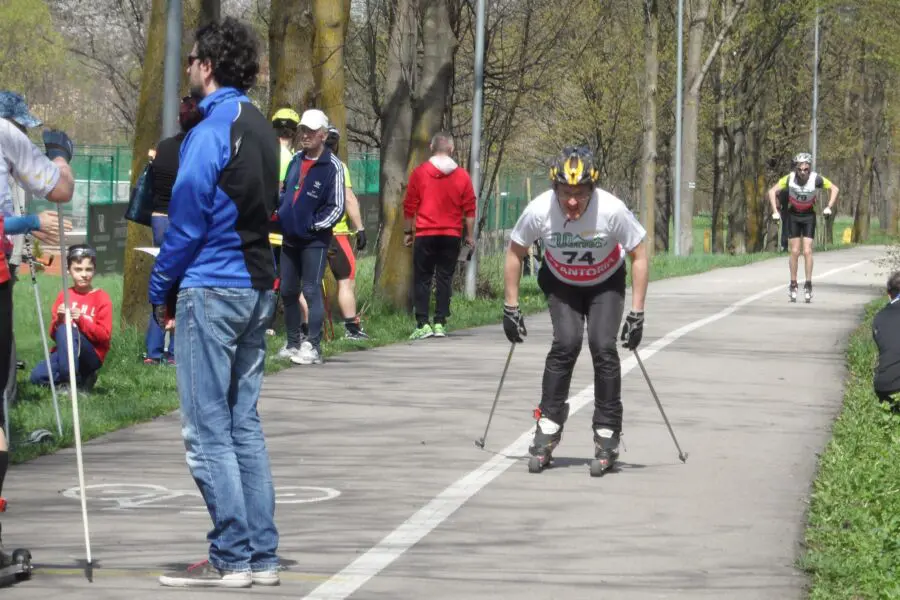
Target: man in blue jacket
(216,256)
(312,202)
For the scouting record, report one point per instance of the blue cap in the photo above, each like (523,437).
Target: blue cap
(13,107)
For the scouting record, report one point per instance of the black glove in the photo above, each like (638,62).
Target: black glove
(633,329)
(58,144)
(161,315)
(514,324)
(360,240)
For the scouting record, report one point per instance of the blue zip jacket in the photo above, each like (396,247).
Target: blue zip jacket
(310,209)
(224,195)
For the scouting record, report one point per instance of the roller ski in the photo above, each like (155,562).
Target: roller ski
(606,451)
(547,435)
(792,291)
(16,566)
(807,291)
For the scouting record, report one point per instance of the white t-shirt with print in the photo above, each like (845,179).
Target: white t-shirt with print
(583,252)
(24,162)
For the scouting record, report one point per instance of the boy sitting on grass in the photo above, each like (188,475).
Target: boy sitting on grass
(91,325)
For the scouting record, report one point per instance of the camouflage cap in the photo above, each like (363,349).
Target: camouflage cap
(14,108)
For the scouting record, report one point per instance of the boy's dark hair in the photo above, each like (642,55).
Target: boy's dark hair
(80,252)
(893,284)
(232,49)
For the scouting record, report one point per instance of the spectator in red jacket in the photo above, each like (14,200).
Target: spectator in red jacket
(438,197)
(91,325)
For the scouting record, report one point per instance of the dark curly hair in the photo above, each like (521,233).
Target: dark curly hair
(233,51)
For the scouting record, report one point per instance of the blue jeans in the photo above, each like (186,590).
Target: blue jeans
(156,337)
(86,359)
(303,268)
(222,349)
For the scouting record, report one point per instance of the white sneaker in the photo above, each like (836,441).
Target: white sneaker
(286,352)
(268,577)
(308,355)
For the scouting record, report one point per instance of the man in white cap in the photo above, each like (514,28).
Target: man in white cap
(312,202)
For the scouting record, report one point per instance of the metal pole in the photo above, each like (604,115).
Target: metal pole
(815,103)
(172,70)
(474,157)
(679,91)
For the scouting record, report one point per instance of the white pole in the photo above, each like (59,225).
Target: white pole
(73,386)
(475,155)
(32,266)
(815,103)
(679,91)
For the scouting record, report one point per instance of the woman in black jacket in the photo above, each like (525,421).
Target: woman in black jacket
(164,172)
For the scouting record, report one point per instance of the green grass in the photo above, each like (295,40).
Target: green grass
(128,392)
(853,529)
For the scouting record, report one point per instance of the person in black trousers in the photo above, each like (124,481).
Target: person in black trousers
(165,169)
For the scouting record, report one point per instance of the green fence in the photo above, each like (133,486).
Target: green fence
(103,176)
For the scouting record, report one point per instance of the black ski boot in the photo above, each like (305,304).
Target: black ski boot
(792,291)
(15,566)
(807,291)
(606,451)
(547,435)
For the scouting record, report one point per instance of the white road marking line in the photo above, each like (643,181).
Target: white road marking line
(427,518)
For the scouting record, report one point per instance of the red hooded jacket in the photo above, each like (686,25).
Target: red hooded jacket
(439,195)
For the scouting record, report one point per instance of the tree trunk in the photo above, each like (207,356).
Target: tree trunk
(393,266)
(663,199)
(719,200)
(651,77)
(737,211)
(892,175)
(135,307)
(331,19)
(437,60)
(291,35)
(690,121)
(861,214)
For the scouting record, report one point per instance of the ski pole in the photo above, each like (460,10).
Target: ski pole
(480,443)
(32,264)
(681,455)
(73,387)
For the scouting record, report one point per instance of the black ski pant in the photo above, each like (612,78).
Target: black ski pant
(6,332)
(601,307)
(434,258)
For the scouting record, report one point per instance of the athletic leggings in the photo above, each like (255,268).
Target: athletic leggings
(601,307)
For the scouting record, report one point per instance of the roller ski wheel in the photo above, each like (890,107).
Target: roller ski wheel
(606,451)
(792,292)
(536,464)
(599,466)
(807,292)
(547,434)
(15,567)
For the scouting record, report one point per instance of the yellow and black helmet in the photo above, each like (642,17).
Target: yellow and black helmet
(574,166)
(286,118)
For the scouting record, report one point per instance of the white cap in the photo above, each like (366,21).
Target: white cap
(314,119)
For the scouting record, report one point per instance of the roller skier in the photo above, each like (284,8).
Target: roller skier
(798,191)
(586,233)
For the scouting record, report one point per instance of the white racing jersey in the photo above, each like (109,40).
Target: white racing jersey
(803,198)
(583,252)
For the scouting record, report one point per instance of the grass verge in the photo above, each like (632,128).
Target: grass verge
(128,392)
(853,528)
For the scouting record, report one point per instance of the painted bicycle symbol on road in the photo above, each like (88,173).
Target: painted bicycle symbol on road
(130,496)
